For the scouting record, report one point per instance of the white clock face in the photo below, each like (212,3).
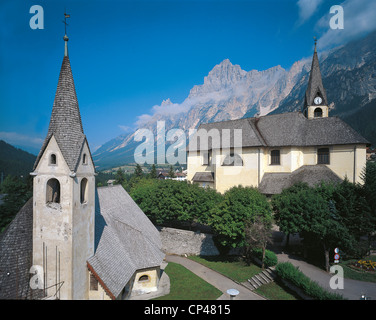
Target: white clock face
(317,100)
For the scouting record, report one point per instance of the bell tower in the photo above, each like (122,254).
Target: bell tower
(315,102)
(64,196)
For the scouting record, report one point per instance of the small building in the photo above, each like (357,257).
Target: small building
(128,252)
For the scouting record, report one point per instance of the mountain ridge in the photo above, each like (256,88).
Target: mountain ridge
(229,92)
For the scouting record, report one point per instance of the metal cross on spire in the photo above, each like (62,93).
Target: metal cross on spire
(65,21)
(315,39)
(65,36)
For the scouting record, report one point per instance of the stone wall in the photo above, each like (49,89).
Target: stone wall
(180,242)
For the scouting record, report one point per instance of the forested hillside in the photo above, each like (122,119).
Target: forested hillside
(14,161)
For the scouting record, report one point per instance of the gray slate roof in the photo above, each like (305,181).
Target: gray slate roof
(65,123)
(125,239)
(203,177)
(274,183)
(286,129)
(16,246)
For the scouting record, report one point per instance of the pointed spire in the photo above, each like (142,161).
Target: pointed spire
(315,86)
(65,123)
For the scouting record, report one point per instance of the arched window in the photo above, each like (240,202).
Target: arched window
(232,159)
(143,278)
(53,159)
(318,113)
(84,191)
(275,157)
(323,156)
(53,191)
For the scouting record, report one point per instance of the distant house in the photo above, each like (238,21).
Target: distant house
(179,176)
(163,174)
(110,182)
(273,152)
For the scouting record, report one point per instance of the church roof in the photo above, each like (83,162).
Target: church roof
(65,123)
(16,246)
(203,177)
(286,129)
(274,183)
(125,240)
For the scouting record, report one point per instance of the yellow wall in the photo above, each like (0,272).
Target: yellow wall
(256,162)
(142,287)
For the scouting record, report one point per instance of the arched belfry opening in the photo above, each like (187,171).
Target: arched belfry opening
(318,113)
(53,191)
(84,190)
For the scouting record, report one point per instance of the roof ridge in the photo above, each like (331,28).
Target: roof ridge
(253,123)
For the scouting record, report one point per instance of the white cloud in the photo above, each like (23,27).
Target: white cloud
(307,8)
(168,108)
(15,138)
(359,18)
(125,128)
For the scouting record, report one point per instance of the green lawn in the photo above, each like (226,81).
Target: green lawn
(273,291)
(238,270)
(231,267)
(185,285)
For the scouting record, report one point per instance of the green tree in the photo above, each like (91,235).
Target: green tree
(288,210)
(17,192)
(228,218)
(171,173)
(138,171)
(169,202)
(369,188)
(312,213)
(257,235)
(120,177)
(153,172)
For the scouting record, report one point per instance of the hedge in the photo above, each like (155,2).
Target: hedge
(270,257)
(288,272)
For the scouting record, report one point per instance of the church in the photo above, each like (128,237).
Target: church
(71,240)
(273,152)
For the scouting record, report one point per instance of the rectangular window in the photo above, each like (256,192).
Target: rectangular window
(275,158)
(93,283)
(206,158)
(323,156)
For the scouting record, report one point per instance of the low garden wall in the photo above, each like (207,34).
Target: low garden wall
(181,242)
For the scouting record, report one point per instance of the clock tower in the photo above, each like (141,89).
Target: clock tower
(315,102)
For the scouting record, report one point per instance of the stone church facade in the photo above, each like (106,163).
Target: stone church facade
(72,241)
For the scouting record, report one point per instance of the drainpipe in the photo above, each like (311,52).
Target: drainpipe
(258,168)
(354,177)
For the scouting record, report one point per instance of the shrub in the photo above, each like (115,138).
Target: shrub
(270,257)
(290,273)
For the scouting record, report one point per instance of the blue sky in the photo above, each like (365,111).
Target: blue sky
(128,56)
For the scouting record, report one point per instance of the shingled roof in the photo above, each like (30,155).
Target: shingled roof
(16,246)
(274,183)
(286,129)
(203,177)
(65,123)
(125,240)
